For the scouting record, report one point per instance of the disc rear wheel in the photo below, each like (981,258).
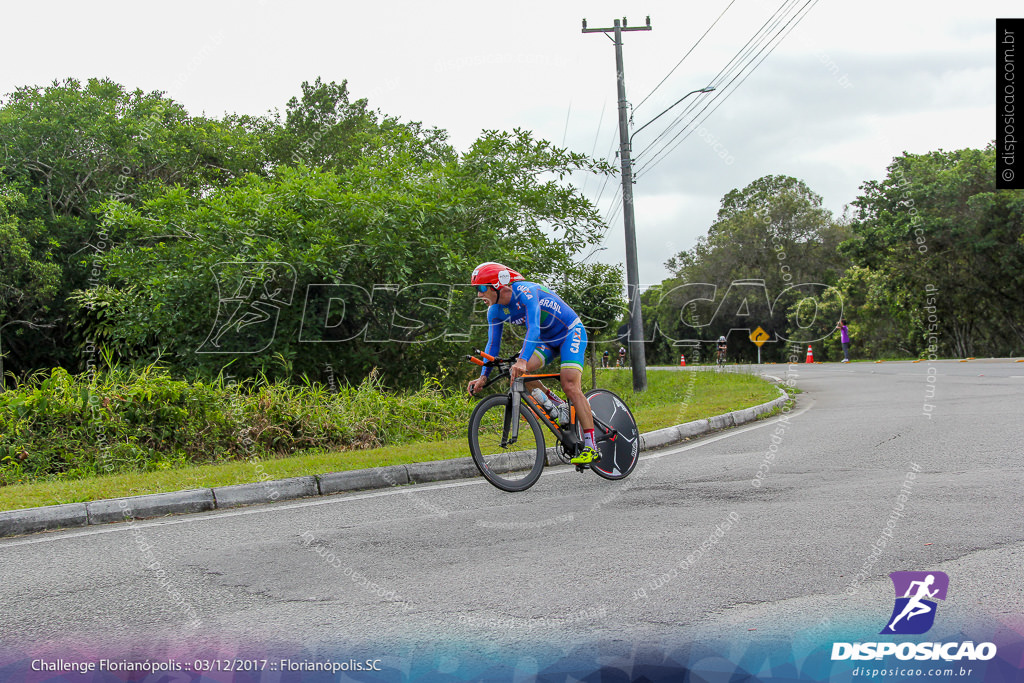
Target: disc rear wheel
(619,455)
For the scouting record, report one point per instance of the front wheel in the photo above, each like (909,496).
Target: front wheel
(509,466)
(619,455)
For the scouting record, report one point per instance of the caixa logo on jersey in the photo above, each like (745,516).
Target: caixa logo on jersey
(914,613)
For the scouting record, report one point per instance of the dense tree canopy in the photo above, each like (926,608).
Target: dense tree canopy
(936,223)
(771,245)
(68,148)
(930,264)
(327,241)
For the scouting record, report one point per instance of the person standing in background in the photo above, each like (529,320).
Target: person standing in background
(844,339)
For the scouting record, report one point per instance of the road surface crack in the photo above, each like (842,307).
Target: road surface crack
(894,436)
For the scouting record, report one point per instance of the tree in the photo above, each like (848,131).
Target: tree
(29,279)
(71,146)
(349,271)
(595,292)
(771,242)
(935,225)
(323,128)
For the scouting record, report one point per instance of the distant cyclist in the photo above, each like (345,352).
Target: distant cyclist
(604,358)
(552,329)
(723,347)
(622,356)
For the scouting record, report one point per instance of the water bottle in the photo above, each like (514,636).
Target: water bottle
(547,403)
(563,414)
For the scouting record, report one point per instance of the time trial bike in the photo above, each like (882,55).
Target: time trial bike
(507,441)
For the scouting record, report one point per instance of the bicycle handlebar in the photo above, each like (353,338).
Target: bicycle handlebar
(503,365)
(491,361)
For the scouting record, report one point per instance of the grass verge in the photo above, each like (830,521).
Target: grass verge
(672,398)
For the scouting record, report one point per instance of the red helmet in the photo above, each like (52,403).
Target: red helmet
(494,274)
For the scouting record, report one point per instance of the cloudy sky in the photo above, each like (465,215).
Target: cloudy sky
(843,87)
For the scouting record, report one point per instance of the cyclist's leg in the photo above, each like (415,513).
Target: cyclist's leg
(572,351)
(572,385)
(539,359)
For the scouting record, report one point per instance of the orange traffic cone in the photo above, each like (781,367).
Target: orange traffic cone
(682,360)
(810,355)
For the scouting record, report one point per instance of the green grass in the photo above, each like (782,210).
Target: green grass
(59,426)
(672,398)
(676,397)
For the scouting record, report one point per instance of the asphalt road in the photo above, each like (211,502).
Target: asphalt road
(756,534)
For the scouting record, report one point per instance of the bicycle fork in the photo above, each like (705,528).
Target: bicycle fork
(510,430)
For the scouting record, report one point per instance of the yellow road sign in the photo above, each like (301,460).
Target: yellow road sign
(759,336)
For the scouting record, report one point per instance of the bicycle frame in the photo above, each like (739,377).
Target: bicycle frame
(498,420)
(510,430)
(567,436)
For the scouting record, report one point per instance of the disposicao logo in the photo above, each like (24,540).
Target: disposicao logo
(914,614)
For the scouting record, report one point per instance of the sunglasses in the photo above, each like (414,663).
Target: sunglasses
(482,288)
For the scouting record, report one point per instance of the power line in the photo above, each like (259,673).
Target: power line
(593,151)
(613,209)
(786,29)
(662,154)
(608,157)
(600,122)
(727,70)
(723,75)
(616,206)
(684,56)
(737,61)
(565,133)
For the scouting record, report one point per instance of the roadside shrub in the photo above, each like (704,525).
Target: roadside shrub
(63,426)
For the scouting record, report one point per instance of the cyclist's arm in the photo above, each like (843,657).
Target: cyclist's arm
(495,326)
(530,299)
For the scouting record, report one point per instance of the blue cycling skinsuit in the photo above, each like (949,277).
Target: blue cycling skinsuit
(552,328)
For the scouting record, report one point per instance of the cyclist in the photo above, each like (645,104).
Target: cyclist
(604,359)
(622,357)
(552,329)
(723,346)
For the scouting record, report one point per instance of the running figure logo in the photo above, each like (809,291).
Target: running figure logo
(914,612)
(250,298)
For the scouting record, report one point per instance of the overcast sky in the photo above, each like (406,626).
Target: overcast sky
(848,88)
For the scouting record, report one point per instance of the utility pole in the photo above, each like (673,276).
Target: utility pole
(637,354)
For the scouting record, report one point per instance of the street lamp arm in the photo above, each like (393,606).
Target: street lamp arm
(705,89)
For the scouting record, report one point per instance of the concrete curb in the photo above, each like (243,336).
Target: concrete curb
(152,505)
(265,492)
(359,480)
(441,470)
(34,520)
